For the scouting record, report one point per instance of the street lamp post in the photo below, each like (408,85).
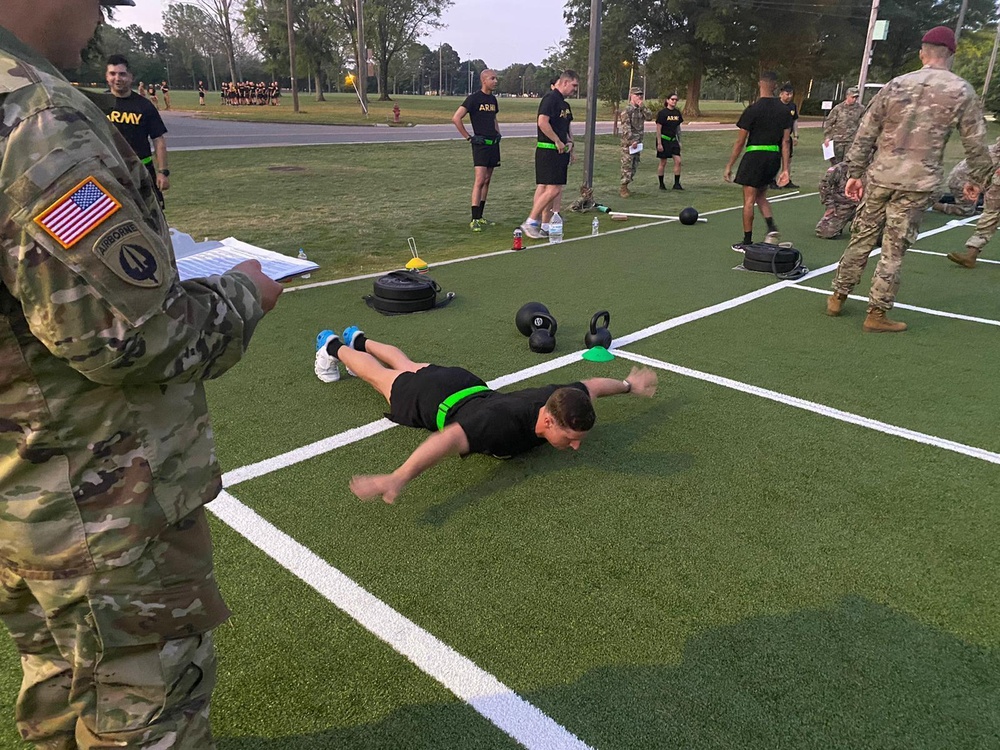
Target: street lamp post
(522,86)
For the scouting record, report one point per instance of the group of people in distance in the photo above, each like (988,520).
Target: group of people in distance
(153,91)
(247,93)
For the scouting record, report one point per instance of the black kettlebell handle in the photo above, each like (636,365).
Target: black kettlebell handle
(597,317)
(550,323)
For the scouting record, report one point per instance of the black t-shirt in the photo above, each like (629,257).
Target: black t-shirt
(560,116)
(766,120)
(482,109)
(793,110)
(669,120)
(503,424)
(138,120)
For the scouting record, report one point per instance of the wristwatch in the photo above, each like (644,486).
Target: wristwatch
(164,172)
(628,386)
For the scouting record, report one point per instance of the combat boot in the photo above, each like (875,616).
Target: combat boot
(623,192)
(967,259)
(876,322)
(835,303)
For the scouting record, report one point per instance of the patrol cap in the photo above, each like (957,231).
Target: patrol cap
(853,91)
(635,90)
(109,3)
(942,36)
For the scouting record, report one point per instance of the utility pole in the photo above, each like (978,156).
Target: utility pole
(593,73)
(440,71)
(993,59)
(291,55)
(362,84)
(961,21)
(863,77)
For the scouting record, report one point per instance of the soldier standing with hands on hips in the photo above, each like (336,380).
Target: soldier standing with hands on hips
(482,108)
(899,149)
(106,580)
(632,123)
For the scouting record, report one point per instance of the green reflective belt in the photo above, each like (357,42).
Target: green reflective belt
(763,148)
(488,142)
(453,399)
(547,145)
(666,137)
(148,160)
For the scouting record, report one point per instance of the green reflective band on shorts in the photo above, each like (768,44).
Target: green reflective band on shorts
(763,148)
(547,145)
(148,160)
(453,399)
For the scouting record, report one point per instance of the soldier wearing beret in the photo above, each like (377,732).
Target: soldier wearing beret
(632,122)
(899,149)
(106,450)
(842,123)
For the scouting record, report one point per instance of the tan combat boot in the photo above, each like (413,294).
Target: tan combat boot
(967,259)
(624,193)
(876,322)
(835,303)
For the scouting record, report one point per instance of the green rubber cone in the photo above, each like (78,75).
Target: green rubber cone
(598,354)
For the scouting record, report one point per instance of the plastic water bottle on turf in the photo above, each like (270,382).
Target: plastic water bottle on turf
(555,228)
(302,256)
(595,227)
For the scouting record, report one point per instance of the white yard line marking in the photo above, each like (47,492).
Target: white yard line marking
(945,255)
(485,693)
(902,306)
(816,408)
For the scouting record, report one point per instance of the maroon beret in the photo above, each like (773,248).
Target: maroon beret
(941,35)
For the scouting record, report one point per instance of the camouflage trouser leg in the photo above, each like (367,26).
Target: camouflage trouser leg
(839,150)
(988,222)
(896,214)
(958,208)
(630,162)
(834,221)
(122,657)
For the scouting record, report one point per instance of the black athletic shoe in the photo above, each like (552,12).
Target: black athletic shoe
(774,186)
(677,187)
(792,186)
(662,186)
(739,247)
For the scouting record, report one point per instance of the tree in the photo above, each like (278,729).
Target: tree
(186,27)
(223,15)
(395,25)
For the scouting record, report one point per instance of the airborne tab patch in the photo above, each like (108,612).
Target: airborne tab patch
(125,250)
(73,216)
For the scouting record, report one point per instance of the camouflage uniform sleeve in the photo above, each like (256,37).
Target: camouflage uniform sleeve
(859,154)
(105,297)
(972,130)
(830,126)
(647,113)
(625,122)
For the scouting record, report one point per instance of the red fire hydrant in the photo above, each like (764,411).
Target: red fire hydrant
(395,112)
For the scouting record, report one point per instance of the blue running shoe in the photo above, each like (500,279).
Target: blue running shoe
(326,366)
(351,333)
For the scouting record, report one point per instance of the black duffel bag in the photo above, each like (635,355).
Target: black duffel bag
(402,292)
(783,262)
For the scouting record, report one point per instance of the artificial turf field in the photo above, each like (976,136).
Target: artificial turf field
(791,546)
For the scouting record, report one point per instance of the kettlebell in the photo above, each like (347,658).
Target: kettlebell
(543,335)
(523,318)
(599,335)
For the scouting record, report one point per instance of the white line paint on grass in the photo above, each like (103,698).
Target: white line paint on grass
(901,306)
(481,690)
(945,255)
(826,411)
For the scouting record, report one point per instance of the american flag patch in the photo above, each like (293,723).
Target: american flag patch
(71,217)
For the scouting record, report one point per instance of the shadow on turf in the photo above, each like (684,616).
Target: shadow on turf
(856,676)
(610,449)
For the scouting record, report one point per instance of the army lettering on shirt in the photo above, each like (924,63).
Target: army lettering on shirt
(138,121)
(560,115)
(669,121)
(482,109)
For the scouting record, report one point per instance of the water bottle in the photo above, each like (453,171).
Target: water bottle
(595,227)
(555,228)
(518,243)
(302,256)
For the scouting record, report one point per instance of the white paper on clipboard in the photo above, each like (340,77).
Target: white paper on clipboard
(828,152)
(635,148)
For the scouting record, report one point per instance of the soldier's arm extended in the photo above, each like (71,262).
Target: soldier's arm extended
(92,266)
(457,120)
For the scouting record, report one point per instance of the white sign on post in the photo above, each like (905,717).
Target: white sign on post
(881,31)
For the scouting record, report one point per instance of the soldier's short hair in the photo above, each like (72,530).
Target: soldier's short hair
(788,88)
(769,76)
(119,60)
(572,409)
(569,75)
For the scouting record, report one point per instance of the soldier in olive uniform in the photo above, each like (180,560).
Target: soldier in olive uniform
(899,148)
(954,203)
(842,123)
(840,209)
(106,450)
(632,121)
(988,222)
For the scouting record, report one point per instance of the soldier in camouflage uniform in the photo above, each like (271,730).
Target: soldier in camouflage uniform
(106,451)
(842,123)
(840,209)
(957,204)
(988,222)
(632,121)
(899,148)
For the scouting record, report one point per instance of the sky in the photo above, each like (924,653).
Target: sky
(500,32)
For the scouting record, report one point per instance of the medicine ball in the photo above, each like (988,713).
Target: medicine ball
(523,318)
(688,216)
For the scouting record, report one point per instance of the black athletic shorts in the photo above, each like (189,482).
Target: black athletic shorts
(551,167)
(670,148)
(758,168)
(416,396)
(486,156)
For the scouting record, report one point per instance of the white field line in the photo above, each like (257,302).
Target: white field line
(487,695)
(945,255)
(901,306)
(821,409)
(332,282)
